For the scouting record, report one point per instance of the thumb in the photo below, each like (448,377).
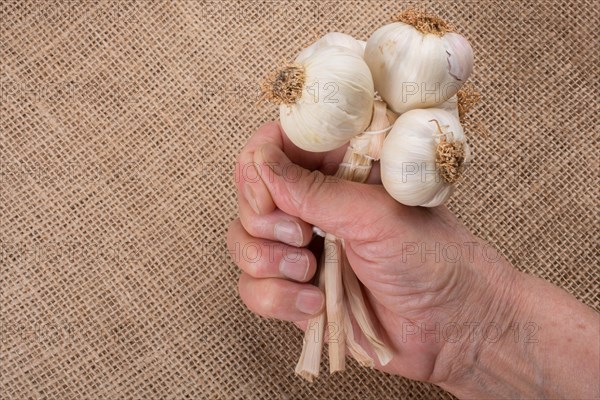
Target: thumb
(349,210)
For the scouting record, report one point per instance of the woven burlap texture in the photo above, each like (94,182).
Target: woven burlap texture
(119,126)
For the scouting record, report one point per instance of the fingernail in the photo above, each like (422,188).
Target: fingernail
(295,269)
(288,232)
(251,198)
(310,301)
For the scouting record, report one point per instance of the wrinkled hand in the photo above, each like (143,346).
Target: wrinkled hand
(419,265)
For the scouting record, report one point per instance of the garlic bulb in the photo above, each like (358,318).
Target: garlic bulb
(424,154)
(325,98)
(333,39)
(418,62)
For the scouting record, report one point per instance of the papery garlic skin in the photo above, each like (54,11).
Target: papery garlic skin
(336,102)
(408,160)
(451,105)
(412,69)
(333,39)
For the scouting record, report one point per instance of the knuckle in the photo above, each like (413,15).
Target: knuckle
(252,229)
(268,129)
(309,191)
(249,223)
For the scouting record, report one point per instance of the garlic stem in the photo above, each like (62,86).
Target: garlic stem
(314,336)
(366,147)
(360,312)
(334,300)
(354,348)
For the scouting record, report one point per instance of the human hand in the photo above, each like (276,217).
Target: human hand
(422,270)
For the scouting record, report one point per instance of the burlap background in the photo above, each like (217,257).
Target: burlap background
(119,125)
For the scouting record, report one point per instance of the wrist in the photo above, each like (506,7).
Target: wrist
(534,340)
(492,314)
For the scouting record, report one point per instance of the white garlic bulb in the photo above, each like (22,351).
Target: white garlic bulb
(424,154)
(325,99)
(334,39)
(418,63)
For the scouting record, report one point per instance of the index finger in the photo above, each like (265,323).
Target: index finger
(248,179)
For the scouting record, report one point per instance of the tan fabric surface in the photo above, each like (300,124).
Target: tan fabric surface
(119,126)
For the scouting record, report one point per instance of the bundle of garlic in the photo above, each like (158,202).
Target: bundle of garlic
(329,97)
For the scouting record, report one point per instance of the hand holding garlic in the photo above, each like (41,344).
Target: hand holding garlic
(327,99)
(425,306)
(364,218)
